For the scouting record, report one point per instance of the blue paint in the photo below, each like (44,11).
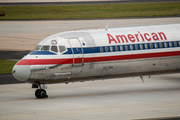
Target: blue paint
(83,44)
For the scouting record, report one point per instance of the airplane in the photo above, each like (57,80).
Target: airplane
(93,54)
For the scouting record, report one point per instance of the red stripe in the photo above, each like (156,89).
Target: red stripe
(95,59)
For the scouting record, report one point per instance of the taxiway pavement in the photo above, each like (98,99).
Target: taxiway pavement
(113,99)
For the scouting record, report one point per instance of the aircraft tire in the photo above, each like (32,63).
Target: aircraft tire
(40,93)
(37,93)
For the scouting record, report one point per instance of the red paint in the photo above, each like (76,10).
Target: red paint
(147,38)
(154,36)
(131,37)
(123,38)
(141,35)
(111,39)
(136,37)
(162,34)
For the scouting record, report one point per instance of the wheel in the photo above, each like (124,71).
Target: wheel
(37,93)
(41,93)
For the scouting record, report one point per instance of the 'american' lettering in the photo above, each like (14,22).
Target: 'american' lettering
(136,37)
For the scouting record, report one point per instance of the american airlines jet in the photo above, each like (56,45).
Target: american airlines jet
(83,55)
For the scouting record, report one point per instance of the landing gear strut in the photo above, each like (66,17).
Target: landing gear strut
(40,93)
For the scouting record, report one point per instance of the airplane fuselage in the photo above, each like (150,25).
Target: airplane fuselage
(97,54)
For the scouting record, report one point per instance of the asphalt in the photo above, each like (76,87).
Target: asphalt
(112,99)
(13,54)
(8,79)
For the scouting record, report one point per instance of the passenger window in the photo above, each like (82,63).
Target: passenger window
(111,48)
(175,43)
(62,49)
(45,48)
(136,47)
(151,45)
(165,45)
(131,47)
(121,47)
(106,49)
(116,48)
(38,47)
(141,46)
(54,48)
(156,45)
(160,45)
(101,49)
(146,46)
(126,47)
(170,44)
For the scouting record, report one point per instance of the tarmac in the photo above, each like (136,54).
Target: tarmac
(111,99)
(114,99)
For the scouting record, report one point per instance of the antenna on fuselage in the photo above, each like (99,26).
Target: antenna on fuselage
(106,28)
(142,78)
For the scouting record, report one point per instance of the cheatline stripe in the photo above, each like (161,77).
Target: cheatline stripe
(96,59)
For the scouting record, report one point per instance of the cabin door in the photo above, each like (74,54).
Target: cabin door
(78,54)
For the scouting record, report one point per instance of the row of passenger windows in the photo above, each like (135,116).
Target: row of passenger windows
(140,46)
(50,48)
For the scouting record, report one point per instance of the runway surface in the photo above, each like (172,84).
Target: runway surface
(113,99)
(8,79)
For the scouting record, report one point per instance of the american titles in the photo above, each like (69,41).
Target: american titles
(136,37)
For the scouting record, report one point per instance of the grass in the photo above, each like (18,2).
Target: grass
(90,11)
(6,66)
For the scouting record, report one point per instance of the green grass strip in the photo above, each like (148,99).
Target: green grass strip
(90,11)
(6,66)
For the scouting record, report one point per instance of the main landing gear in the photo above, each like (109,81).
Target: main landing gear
(40,93)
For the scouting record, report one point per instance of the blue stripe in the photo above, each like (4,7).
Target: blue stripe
(129,47)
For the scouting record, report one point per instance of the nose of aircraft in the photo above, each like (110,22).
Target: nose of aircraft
(21,72)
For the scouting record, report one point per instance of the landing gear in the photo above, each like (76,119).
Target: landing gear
(41,93)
